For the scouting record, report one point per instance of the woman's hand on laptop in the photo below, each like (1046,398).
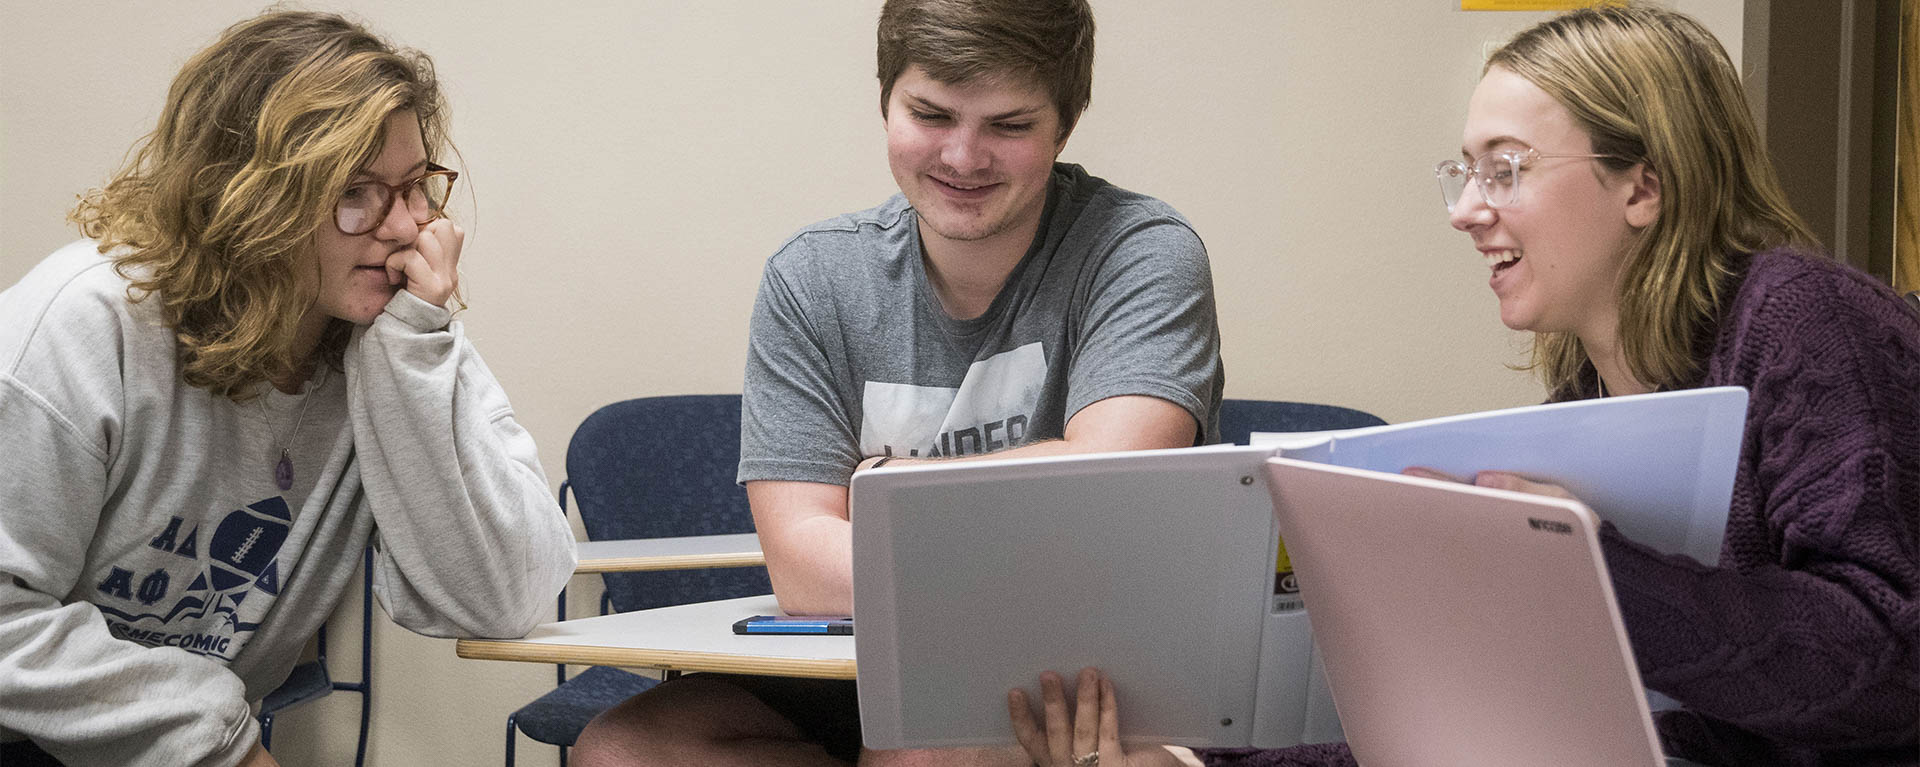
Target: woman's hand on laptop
(1498,480)
(1089,735)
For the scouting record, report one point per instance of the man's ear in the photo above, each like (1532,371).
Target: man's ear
(1643,201)
(1061,144)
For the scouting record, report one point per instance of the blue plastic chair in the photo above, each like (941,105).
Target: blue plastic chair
(310,681)
(654,467)
(1241,417)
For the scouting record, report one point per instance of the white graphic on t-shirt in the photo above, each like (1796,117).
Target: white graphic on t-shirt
(990,411)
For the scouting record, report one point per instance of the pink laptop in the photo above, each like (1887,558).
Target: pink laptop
(1461,625)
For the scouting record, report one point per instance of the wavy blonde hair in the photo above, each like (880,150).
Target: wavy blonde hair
(1654,86)
(214,214)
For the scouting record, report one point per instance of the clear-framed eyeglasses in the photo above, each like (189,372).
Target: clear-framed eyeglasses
(1498,173)
(365,204)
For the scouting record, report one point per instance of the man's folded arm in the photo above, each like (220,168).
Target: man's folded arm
(808,543)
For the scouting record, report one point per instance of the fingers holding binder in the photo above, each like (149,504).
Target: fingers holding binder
(1086,737)
(1502,480)
(1498,480)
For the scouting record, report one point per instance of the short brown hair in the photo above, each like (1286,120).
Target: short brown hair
(215,213)
(964,41)
(1653,86)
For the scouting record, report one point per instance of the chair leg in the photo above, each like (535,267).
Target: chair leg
(511,726)
(366,654)
(360,751)
(563,756)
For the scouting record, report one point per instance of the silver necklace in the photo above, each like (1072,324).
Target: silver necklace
(283,469)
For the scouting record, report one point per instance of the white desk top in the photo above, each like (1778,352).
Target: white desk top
(696,637)
(694,552)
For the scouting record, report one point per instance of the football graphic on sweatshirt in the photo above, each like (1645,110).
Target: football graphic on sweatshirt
(238,557)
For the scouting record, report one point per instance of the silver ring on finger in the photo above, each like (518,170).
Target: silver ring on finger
(1089,759)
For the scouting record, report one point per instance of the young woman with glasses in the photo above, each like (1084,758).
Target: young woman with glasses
(1612,179)
(247,374)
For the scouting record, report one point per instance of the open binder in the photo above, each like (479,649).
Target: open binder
(1165,568)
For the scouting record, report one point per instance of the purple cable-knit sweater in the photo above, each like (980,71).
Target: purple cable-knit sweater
(1803,646)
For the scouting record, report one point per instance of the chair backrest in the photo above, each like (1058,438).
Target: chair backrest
(661,467)
(1240,417)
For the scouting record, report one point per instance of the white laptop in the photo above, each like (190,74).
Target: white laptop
(1156,566)
(1461,625)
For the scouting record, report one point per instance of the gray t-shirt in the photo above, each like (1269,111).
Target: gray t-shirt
(851,355)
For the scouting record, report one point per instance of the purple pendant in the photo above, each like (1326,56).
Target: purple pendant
(283,471)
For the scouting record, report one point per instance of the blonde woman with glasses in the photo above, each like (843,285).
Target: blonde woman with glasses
(1612,179)
(1613,182)
(245,375)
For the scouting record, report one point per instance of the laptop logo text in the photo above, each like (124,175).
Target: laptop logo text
(1550,526)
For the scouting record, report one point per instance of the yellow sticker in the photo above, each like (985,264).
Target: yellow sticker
(1286,587)
(1523,5)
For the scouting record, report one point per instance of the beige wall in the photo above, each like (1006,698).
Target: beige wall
(632,165)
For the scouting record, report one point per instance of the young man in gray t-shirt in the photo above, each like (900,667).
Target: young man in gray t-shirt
(1002,303)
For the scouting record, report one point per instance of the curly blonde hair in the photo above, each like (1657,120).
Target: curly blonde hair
(1652,85)
(214,214)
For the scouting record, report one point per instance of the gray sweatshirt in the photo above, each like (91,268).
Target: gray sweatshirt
(154,578)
